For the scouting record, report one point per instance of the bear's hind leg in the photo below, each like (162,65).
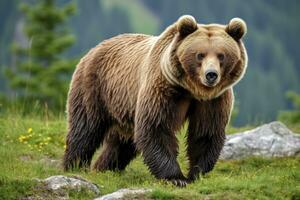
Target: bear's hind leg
(87,127)
(116,154)
(82,141)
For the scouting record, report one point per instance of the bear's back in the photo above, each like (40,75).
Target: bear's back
(117,64)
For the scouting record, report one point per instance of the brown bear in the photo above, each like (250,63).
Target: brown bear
(133,92)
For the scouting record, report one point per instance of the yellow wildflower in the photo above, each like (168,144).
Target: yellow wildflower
(22,138)
(29,130)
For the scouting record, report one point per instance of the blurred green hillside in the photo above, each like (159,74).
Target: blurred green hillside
(272,40)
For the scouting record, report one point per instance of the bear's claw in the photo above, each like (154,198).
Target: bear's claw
(179,182)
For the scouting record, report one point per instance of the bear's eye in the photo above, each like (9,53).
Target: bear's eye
(221,56)
(200,56)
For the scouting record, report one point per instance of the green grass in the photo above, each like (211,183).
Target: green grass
(32,147)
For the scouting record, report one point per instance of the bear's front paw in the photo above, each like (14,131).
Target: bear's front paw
(179,182)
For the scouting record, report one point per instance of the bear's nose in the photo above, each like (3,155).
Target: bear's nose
(211,76)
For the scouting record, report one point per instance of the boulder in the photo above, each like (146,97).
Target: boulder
(125,194)
(58,187)
(270,140)
(60,182)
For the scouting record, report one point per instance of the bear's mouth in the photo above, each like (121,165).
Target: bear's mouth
(209,85)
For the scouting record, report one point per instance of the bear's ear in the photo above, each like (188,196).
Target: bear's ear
(236,28)
(186,25)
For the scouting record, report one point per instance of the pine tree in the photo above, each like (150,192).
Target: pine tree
(41,72)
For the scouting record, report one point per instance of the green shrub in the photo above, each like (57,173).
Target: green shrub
(291,116)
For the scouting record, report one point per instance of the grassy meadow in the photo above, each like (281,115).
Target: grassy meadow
(32,147)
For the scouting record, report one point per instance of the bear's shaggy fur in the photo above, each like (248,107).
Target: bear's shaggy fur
(132,92)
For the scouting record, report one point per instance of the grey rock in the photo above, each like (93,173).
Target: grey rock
(62,182)
(270,140)
(57,187)
(122,193)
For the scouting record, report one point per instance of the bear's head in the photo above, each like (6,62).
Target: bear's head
(206,59)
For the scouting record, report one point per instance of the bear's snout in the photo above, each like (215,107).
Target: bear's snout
(211,77)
